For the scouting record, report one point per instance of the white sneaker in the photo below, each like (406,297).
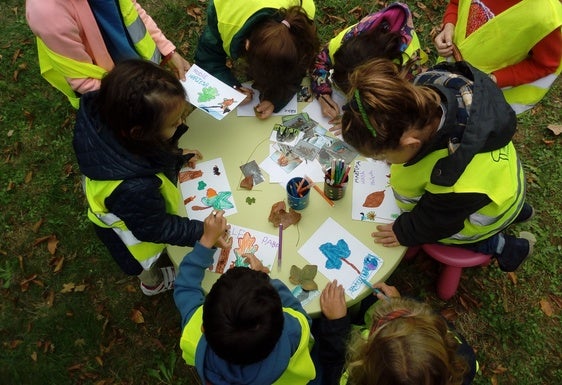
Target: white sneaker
(168,275)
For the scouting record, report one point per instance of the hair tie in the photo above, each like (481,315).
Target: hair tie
(387,318)
(286,23)
(364,113)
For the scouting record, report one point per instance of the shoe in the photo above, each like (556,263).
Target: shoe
(515,251)
(526,214)
(168,278)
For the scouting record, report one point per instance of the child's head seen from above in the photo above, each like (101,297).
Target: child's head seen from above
(243,316)
(408,343)
(142,104)
(387,116)
(280,50)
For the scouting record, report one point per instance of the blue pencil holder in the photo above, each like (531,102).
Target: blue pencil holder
(296,201)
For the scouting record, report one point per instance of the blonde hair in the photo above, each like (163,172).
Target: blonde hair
(408,344)
(383,105)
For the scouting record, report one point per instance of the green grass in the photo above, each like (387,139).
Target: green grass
(87,335)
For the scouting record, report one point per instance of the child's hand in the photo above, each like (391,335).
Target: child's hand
(215,228)
(332,301)
(255,263)
(329,107)
(246,91)
(336,125)
(180,65)
(444,40)
(264,109)
(389,291)
(385,236)
(196,157)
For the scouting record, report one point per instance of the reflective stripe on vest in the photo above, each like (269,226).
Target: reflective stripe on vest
(146,253)
(498,174)
(300,369)
(143,42)
(231,18)
(505,40)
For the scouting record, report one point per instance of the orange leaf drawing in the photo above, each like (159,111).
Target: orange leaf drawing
(374,199)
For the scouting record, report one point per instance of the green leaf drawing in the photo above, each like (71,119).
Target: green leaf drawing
(207,93)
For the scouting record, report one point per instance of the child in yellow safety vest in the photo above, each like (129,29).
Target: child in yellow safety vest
(400,341)
(454,171)
(249,329)
(126,143)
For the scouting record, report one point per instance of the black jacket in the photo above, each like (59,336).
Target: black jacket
(490,125)
(137,200)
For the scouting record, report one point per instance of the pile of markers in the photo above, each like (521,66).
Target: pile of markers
(336,175)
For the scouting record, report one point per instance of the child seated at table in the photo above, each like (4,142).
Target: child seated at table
(249,329)
(455,173)
(402,341)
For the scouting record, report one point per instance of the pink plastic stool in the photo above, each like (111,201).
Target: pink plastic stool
(452,259)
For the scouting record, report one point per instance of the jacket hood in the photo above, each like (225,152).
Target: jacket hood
(491,123)
(219,372)
(99,154)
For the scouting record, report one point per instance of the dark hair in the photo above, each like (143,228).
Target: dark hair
(378,43)
(381,96)
(243,316)
(280,54)
(134,101)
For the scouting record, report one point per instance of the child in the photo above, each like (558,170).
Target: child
(277,37)
(455,172)
(125,140)
(249,329)
(403,342)
(88,37)
(517,42)
(388,33)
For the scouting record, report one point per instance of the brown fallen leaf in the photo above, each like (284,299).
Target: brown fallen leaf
(50,298)
(28,177)
(136,316)
(34,356)
(546,308)
(67,287)
(52,244)
(512,277)
(37,225)
(500,369)
(555,128)
(247,182)
(58,265)
(278,214)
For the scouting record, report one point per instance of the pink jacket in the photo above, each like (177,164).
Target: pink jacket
(69,28)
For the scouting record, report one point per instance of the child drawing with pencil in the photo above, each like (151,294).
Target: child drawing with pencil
(126,143)
(454,171)
(249,328)
(277,39)
(400,341)
(388,33)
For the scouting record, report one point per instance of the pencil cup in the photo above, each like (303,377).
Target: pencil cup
(298,193)
(335,192)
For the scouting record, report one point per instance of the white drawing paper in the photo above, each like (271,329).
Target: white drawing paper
(339,255)
(205,188)
(246,241)
(248,109)
(373,200)
(210,94)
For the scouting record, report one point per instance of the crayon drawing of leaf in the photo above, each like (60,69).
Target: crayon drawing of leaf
(206,94)
(374,199)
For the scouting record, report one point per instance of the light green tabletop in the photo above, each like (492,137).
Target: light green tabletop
(238,140)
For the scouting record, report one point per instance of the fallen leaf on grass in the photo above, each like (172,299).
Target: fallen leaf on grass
(136,316)
(50,298)
(500,369)
(51,240)
(512,277)
(28,177)
(37,225)
(72,287)
(555,128)
(34,356)
(14,343)
(20,68)
(546,307)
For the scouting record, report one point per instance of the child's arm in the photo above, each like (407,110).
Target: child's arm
(436,216)
(287,298)
(188,293)
(140,204)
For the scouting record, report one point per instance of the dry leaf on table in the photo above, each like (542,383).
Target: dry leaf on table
(279,215)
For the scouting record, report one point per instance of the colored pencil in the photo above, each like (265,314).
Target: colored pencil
(374,289)
(319,190)
(280,248)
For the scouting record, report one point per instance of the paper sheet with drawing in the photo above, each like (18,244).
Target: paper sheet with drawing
(205,188)
(373,200)
(210,94)
(339,255)
(264,246)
